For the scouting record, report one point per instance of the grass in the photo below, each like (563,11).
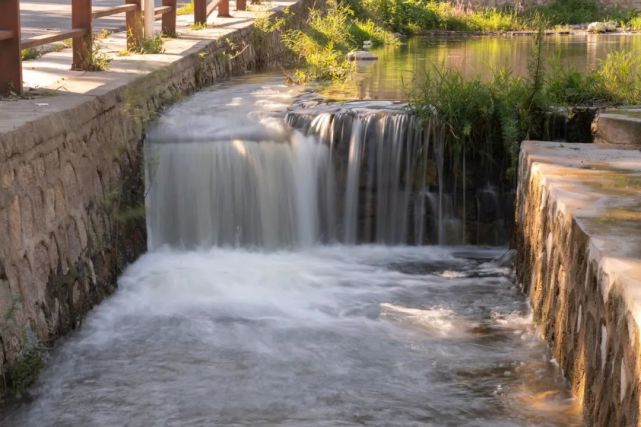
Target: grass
(620,76)
(97,59)
(416,16)
(186,9)
(488,119)
(24,371)
(151,45)
(102,34)
(30,53)
(323,43)
(198,26)
(479,118)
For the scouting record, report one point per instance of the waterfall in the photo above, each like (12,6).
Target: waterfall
(383,153)
(231,193)
(345,173)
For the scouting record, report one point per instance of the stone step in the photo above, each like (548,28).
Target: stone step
(618,127)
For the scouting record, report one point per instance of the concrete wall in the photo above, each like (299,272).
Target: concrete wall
(71,189)
(579,260)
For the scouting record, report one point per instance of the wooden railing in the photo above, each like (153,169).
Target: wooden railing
(82,18)
(202,9)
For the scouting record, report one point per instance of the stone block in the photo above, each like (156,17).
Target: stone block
(618,127)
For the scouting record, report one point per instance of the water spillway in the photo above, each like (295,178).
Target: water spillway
(285,285)
(362,172)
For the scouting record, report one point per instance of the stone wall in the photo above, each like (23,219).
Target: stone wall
(72,193)
(579,260)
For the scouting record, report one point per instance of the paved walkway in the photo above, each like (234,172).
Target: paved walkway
(41,16)
(50,85)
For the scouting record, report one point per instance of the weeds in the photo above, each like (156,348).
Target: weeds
(186,9)
(102,34)
(488,119)
(25,370)
(152,45)
(198,26)
(323,44)
(30,53)
(620,74)
(416,16)
(97,60)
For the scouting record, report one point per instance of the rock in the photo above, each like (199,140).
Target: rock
(361,55)
(597,27)
(367,44)
(618,127)
(602,27)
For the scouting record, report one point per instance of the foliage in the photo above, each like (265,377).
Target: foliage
(566,86)
(30,53)
(152,45)
(416,16)
(97,60)
(568,12)
(198,26)
(616,80)
(186,9)
(102,34)
(562,12)
(488,119)
(620,73)
(27,366)
(265,24)
(323,43)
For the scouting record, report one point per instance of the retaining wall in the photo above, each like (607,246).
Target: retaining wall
(72,191)
(578,222)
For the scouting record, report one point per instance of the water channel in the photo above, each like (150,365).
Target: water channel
(286,287)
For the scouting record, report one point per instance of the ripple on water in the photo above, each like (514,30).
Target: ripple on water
(330,336)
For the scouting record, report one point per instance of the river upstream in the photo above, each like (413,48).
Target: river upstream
(282,289)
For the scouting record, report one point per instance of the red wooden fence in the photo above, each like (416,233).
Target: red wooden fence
(82,18)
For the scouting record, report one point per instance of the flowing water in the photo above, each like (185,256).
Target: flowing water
(251,309)
(327,336)
(288,283)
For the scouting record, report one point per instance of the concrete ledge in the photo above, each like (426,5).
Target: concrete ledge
(578,222)
(618,127)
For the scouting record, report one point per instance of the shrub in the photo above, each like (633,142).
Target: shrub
(489,119)
(324,42)
(152,45)
(30,53)
(635,23)
(620,72)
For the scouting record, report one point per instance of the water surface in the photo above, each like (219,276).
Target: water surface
(328,336)
(304,335)
(392,75)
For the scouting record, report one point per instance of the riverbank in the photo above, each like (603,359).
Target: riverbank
(72,192)
(579,260)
